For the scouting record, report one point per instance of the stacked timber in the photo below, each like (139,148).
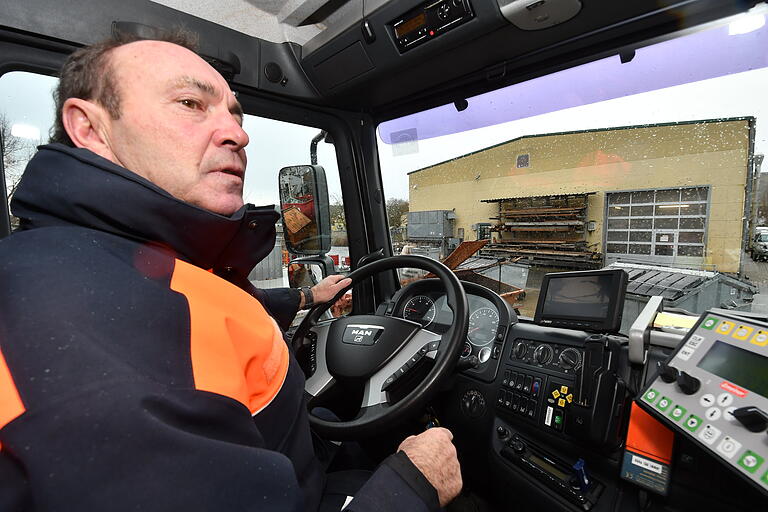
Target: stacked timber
(546,231)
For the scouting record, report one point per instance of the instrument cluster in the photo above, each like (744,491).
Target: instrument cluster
(425,302)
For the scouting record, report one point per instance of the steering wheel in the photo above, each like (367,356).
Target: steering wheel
(377,350)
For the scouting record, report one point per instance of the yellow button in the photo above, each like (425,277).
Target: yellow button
(561,402)
(555,394)
(569,398)
(725,327)
(760,339)
(564,390)
(743,332)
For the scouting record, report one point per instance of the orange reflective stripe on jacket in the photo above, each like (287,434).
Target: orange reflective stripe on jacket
(237,349)
(11,406)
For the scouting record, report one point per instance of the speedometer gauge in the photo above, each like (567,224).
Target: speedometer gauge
(483,324)
(420,309)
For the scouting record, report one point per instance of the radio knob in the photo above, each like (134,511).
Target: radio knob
(688,383)
(543,354)
(569,359)
(520,350)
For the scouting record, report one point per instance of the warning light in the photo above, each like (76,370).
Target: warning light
(431,32)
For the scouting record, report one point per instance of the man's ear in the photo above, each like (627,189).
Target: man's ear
(86,124)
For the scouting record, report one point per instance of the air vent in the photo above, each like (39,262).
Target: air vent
(523,161)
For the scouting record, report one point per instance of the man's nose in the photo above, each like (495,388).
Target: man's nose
(230,133)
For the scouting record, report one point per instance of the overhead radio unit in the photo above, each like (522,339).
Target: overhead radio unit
(428,21)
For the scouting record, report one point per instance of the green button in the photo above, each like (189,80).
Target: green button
(677,413)
(750,461)
(664,403)
(651,395)
(692,423)
(709,323)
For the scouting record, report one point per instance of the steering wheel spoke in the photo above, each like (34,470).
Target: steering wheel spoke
(321,379)
(424,343)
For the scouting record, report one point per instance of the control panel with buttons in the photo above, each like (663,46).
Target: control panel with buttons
(520,393)
(714,389)
(559,385)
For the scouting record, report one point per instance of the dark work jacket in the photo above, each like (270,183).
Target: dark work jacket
(132,376)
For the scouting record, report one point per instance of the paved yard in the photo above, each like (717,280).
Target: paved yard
(757,272)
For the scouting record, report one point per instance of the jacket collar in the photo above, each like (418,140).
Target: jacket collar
(73,186)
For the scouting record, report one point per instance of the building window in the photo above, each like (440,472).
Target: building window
(664,224)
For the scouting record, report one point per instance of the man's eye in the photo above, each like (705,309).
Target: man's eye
(193,104)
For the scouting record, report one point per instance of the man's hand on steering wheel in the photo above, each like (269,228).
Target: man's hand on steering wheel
(327,289)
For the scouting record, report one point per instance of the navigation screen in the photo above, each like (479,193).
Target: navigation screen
(578,297)
(742,367)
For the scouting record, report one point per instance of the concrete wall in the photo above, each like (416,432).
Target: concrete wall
(707,153)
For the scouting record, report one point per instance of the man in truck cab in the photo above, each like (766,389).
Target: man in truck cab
(133,373)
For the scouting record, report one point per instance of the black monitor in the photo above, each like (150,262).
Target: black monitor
(591,300)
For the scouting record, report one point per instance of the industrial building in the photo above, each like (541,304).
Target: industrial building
(671,194)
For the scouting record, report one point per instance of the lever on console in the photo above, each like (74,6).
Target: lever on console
(667,373)
(752,418)
(467,363)
(688,383)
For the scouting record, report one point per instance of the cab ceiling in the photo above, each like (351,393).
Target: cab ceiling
(340,66)
(277,21)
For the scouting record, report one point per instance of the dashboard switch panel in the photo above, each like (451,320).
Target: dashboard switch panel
(568,388)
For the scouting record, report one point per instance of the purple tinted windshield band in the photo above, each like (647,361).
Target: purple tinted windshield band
(699,56)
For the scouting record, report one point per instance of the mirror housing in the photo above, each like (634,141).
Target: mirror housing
(322,265)
(304,209)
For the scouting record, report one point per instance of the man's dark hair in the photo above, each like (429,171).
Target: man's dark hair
(88,74)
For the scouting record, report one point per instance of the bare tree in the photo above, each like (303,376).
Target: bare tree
(16,153)
(337,210)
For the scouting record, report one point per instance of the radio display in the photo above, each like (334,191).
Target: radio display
(549,468)
(738,366)
(410,25)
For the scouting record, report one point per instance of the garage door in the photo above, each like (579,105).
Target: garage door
(663,226)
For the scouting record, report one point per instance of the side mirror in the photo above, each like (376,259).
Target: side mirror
(304,207)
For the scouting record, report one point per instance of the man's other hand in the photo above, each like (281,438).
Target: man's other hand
(433,453)
(327,289)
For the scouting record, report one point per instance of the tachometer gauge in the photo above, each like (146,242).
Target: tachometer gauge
(420,309)
(483,324)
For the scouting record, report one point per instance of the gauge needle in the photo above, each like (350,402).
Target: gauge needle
(473,330)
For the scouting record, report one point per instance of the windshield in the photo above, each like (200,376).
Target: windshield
(651,165)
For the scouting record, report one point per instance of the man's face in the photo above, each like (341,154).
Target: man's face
(180,125)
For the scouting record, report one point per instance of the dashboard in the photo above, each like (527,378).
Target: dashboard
(542,419)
